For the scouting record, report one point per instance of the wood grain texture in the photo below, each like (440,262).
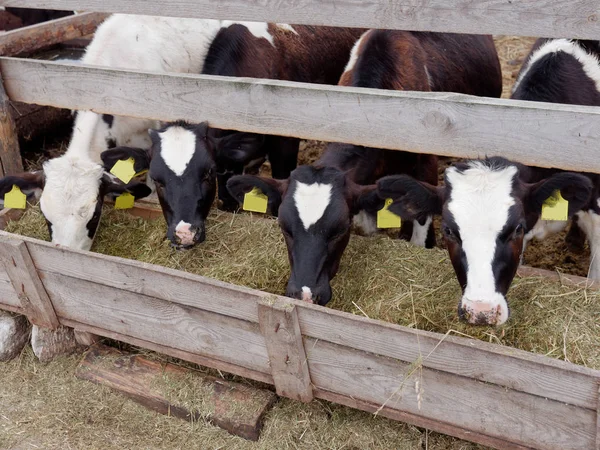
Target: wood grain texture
(494,411)
(25,280)
(418,421)
(501,365)
(10,155)
(278,320)
(46,34)
(552,18)
(86,339)
(9,299)
(237,408)
(446,124)
(151,319)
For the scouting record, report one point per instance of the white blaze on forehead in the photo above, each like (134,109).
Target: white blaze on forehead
(177,147)
(258,29)
(589,63)
(311,201)
(480,199)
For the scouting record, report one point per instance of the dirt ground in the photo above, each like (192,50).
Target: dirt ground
(44,406)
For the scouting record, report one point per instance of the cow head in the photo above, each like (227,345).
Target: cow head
(315,206)
(72,195)
(182,165)
(486,209)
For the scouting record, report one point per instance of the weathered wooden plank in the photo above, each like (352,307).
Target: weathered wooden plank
(552,18)
(45,34)
(502,365)
(237,408)
(163,322)
(418,421)
(10,155)
(278,320)
(565,278)
(440,123)
(174,352)
(8,296)
(24,277)
(483,408)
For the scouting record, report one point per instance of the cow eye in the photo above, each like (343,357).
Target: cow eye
(450,234)
(519,229)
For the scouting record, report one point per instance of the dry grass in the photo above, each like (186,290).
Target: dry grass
(381,278)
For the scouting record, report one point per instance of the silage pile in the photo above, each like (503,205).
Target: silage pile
(380,278)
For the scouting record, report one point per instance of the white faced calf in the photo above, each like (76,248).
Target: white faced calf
(487,206)
(316,206)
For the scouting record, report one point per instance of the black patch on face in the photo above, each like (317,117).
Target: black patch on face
(111,143)
(92,225)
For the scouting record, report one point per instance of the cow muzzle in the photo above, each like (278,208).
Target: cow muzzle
(187,235)
(484,312)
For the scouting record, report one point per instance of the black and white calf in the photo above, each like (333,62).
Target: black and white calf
(182,164)
(563,71)
(75,183)
(487,207)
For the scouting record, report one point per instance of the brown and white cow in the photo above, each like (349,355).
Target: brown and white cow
(490,208)
(317,203)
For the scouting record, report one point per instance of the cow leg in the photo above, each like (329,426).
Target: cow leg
(575,238)
(14,334)
(226,202)
(423,234)
(283,155)
(589,222)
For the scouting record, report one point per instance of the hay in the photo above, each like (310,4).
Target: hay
(380,278)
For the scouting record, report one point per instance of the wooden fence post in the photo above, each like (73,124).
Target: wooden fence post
(279,325)
(10,155)
(24,277)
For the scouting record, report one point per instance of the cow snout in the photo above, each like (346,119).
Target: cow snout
(186,235)
(484,312)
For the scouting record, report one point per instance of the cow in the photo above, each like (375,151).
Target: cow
(73,185)
(491,207)
(300,53)
(317,203)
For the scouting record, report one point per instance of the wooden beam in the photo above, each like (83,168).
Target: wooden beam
(278,321)
(46,34)
(237,408)
(446,124)
(10,155)
(35,302)
(551,18)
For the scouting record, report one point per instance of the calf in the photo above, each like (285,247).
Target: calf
(276,51)
(74,184)
(317,203)
(563,71)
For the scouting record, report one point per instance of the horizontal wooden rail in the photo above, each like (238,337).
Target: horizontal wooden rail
(551,18)
(541,134)
(45,34)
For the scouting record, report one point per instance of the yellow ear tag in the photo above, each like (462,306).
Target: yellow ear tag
(124,201)
(555,207)
(386,218)
(255,201)
(123,170)
(15,198)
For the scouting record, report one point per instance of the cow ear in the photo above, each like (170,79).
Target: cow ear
(575,188)
(365,198)
(111,185)
(29,183)
(239,147)
(239,185)
(140,156)
(412,199)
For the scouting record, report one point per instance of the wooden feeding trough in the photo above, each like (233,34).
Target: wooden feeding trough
(477,391)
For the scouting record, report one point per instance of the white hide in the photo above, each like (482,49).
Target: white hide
(589,63)
(177,147)
(479,201)
(365,222)
(354,53)
(147,43)
(258,29)
(311,201)
(589,222)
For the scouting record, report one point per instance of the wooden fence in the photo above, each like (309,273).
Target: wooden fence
(486,393)
(482,392)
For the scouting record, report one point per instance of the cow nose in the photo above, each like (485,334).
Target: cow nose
(307,295)
(483,312)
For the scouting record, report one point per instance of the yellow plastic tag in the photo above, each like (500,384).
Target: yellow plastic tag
(123,170)
(255,201)
(555,207)
(124,201)
(386,218)
(15,198)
